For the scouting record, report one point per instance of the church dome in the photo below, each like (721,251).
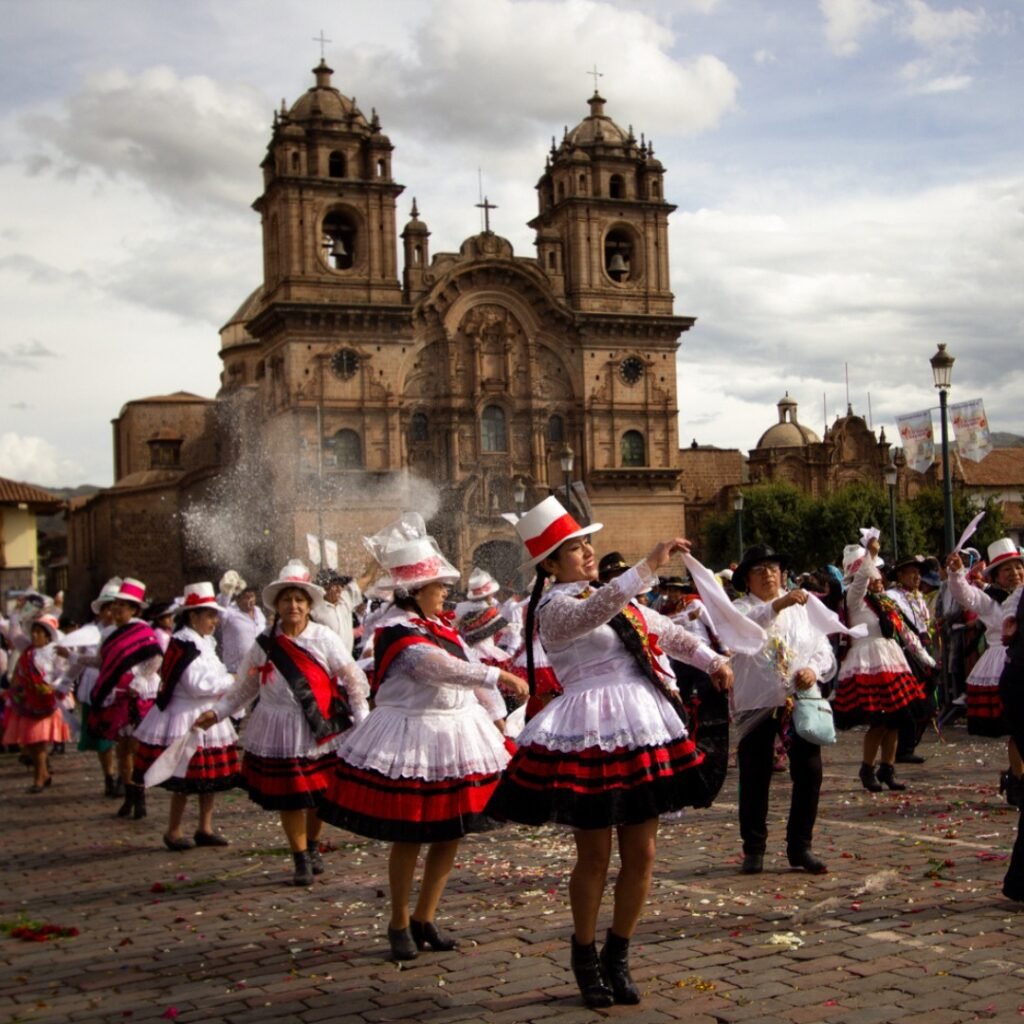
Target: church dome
(324,103)
(597,128)
(788,432)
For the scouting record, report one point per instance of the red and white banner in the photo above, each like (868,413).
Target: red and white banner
(313,547)
(970,426)
(918,439)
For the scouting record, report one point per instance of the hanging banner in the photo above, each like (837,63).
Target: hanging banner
(313,546)
(331,553)
(970,426)
(918,439)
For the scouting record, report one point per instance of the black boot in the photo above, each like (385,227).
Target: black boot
(316,860)
(403,946)
(803,858)
(139,803)
(589,977)
(109,786)
(887,776)
(303,868)
(118,788)
(425,933)
(1010,787)
(129,801)
(867,777)
(615,961)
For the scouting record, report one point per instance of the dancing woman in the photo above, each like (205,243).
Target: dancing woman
(295,668)
(126,686)
(35,720)
(423,765)
(192,678)
(876,684)
(611,753)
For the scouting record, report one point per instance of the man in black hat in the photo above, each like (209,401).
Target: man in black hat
(906,592)
(795,657)
(610,566)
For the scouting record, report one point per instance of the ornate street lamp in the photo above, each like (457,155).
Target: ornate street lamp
(737,504)
(942,372)
(566,457)
(891,476)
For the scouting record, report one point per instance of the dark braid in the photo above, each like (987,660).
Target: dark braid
(531,618)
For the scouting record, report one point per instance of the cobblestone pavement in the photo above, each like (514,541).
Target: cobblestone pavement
(909,925)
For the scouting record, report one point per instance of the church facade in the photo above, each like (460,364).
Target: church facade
(462,385)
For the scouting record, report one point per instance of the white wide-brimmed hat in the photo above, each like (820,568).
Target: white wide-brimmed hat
(50,624)
(853,555)
(409,555)
(999,553)
(481,584)
(197,595)
(106,594)
(131,590)
(547,526)
(294,574)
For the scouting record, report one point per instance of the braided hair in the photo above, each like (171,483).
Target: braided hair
(531,620)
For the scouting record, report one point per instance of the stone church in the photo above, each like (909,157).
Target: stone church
(462,384)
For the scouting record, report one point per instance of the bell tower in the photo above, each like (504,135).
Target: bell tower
(602,226)
(328,203)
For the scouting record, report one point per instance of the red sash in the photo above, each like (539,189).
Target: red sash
(390,641)
(31,694)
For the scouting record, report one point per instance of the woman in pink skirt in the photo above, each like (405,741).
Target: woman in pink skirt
(35,720)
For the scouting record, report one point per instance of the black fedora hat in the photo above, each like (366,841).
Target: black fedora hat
(755,556)
(610,565)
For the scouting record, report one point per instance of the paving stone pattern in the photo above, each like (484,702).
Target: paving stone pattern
(909,925)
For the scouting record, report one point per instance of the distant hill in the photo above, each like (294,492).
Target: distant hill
(55,525)
(1003,439)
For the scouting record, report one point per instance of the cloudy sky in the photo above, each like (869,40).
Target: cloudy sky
(849,176)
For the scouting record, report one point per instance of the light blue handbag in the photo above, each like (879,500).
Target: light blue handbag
(812,717)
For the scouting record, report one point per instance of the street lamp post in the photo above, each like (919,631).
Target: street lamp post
(737,504)
(566,458)
(942,372)
(519,494)
(891,476)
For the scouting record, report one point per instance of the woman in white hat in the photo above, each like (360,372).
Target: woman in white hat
(610,754)
(422,767)
(192,678)
(126,686)
(310,691)
(1005,575)
(34,720)
(876,685)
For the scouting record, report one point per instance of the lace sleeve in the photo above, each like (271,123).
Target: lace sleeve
(972,598)
(358,690)
(564,618)
(431,665)
(246,686)
(679,643)
(865,573)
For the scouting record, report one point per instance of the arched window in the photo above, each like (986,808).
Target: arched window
(419,428)
(336,165)
(633,453)
(655,189)
(617,187)
(618,254)
(382,168)
(583,184)
(493,433)
(295,163)
(348,450)
(556,429)
(340,239)
(561,190)
(417,255)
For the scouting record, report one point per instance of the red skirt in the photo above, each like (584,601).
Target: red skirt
(870,694)
(287,783)
(985,711)
(596,788)
(407,810)
(210,770)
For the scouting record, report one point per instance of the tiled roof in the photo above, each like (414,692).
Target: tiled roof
(1002,467)
(14,492)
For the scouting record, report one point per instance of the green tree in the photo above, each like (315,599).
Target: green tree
(929,511)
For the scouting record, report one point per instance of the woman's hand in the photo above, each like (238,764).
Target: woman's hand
(791,597)
(874,547)
(721,678)
(517,686)
(954,563)
(663,552)
(205,720)
(803,679)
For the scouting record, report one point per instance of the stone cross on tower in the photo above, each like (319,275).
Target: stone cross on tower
(486,206)
(596,75)
(321,39)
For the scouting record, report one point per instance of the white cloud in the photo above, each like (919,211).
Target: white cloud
(190,139)
(940,30)
(34,460)
(947,83)
(847,21)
